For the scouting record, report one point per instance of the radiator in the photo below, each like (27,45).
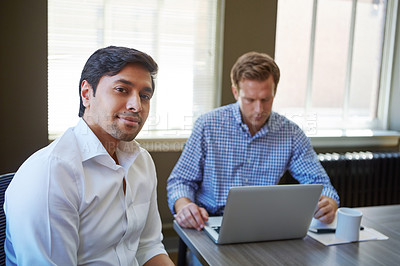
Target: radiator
(364,178)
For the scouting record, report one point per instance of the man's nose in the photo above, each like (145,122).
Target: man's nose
(134,104)
(259,106)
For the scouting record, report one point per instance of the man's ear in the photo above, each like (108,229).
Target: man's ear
(86,93)
(235,92)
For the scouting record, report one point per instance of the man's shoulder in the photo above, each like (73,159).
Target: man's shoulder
(59,153)
(65,148)
(280,122)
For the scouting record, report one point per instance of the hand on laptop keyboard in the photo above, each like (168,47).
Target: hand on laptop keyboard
(189,215)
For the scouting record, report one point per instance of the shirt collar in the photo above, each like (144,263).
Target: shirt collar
(238,118)
(237,114)
(91,147)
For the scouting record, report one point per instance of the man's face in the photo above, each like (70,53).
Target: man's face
(255,100)
(121,104)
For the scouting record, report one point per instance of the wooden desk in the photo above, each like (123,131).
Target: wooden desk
(307,251)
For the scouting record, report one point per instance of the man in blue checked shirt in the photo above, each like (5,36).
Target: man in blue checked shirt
(244,144)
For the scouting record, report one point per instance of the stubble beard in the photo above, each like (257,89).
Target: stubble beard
(118,133)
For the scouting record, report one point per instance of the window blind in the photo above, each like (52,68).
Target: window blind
(181,35)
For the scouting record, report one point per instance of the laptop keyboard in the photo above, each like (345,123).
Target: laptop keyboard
(216,228)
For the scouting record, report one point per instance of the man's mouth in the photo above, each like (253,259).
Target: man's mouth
(130,120)
(258,117)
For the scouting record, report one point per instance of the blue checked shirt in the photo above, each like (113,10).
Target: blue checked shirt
(221,153)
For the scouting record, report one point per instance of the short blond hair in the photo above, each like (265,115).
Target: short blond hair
(254,66)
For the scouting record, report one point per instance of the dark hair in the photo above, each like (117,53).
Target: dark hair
(254,66)
(110,61)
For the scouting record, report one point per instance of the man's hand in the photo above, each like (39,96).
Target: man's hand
(189,215)
(326,210)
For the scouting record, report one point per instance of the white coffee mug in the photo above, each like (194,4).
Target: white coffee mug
(348,224)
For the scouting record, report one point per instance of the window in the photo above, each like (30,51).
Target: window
(335,58)
(181,35)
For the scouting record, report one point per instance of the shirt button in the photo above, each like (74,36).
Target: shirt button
(246,180)
(248,160)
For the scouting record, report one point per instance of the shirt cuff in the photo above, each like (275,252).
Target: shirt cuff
(179,192)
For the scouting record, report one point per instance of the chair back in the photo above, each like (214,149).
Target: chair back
(4,182)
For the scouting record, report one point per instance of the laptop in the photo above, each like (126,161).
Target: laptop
(264,213)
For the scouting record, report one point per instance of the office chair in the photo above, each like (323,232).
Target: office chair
(4,182)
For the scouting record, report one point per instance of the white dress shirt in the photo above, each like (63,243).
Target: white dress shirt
(66,205)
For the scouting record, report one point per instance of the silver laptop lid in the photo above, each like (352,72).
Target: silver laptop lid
(261,213)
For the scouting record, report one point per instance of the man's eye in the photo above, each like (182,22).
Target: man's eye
(120,89)
(145,96)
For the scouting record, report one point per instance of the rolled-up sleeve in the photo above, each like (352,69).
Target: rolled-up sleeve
(306,167)
(187,174)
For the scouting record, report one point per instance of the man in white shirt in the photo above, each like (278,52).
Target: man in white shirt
(89,198)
